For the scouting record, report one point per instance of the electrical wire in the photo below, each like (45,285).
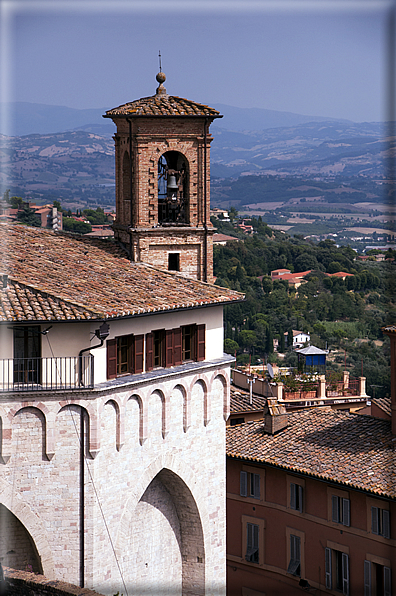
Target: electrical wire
(80,440)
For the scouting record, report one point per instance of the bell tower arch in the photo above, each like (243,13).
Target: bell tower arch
(162,147)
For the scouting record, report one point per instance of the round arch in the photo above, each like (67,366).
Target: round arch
(32,525)
(173,188)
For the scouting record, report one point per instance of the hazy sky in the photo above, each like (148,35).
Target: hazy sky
(318,57)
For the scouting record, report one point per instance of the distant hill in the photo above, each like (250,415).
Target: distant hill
(30,118)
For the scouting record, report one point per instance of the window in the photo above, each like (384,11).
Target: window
(295,556)
(340,510)
(252,543)
(235,421)
(250,484)
(296,496)
(380,522)
(377,579)
(337,570)
(124,355)
(174,261)
(27,352)
(172,347)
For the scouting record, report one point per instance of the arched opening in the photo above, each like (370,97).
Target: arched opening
(17,548)
(173,189)
(126,187)
(166,539)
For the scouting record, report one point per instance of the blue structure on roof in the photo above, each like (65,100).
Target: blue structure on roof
(311,359)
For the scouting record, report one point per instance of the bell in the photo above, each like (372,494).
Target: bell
(172,185)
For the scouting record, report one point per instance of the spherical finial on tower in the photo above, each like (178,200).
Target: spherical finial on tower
(161,78)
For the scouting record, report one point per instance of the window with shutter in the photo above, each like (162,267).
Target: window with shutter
(150,351)
(367,578)
(345,574)
(252,543)
(243,484)
(255,486)
(159,359)
(340,510)
(387,582)
(380,522)
(385,523)
(328,569)
(169,348)
(111,352)
(138,353)
(177,346)
(295,556)
(296,496)
(200,343)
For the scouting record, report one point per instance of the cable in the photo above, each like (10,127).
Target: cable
(80,440)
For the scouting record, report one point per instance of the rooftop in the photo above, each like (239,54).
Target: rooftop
(332,445)
(60,276)
(240,401)
(162,104)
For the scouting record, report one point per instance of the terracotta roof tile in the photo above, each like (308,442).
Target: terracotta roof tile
(354,450)
(163,105)
(59,276)
(240,401)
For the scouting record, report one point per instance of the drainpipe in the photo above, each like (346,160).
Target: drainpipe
(82,497)
(205,272)
(101,334)
(130,191)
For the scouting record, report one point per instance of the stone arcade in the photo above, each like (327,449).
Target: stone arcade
(114,388)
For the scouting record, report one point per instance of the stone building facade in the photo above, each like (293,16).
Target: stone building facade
(114,389)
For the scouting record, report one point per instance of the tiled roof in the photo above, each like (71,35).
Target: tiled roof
(332,445)
(163,105)
(384,403)
(60,276)
(240,401)
(389,329)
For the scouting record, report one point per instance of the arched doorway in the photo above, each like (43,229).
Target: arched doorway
(17,548)
(173,204)
(166,546)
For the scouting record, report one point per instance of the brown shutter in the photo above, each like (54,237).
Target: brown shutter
(139,353)
(200,342)
(149,351)
(168,347)
(111,351)
(177,346)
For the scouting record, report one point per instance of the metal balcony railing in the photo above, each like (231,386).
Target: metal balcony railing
(47,374)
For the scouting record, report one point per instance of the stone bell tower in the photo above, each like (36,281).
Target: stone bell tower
(162,150)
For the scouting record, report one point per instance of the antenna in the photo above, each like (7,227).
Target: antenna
(159,59)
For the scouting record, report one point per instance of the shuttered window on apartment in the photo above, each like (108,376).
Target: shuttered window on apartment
(296,496)
(380,522)
(340,510)
(252,543)
(124,355)
(295,556)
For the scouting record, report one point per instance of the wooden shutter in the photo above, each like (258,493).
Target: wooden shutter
(149,351)
(328,568)
(200,343)
(345,574)
(256,486)
(256,543)
(293,503)
(111,353)
(385,523)
(249,541)
(374,520)
(139,354)
(367,578)
(177,346)
(243,484)
(387,582)
(300,497)
(334,509)
(168,348)
(346,512)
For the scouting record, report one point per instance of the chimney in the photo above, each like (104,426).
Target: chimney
(275,416)
(5,280)
(391,332)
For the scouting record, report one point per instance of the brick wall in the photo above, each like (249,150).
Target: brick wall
(151,138)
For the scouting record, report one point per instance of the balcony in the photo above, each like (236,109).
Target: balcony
(68,373)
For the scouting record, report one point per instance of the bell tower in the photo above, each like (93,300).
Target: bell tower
(162,151)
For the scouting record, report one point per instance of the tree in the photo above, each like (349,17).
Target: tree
(230,346)
(72,225)
(58,205)
(282,342)
(29,218)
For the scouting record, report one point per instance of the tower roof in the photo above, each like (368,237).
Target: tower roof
(162,104)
